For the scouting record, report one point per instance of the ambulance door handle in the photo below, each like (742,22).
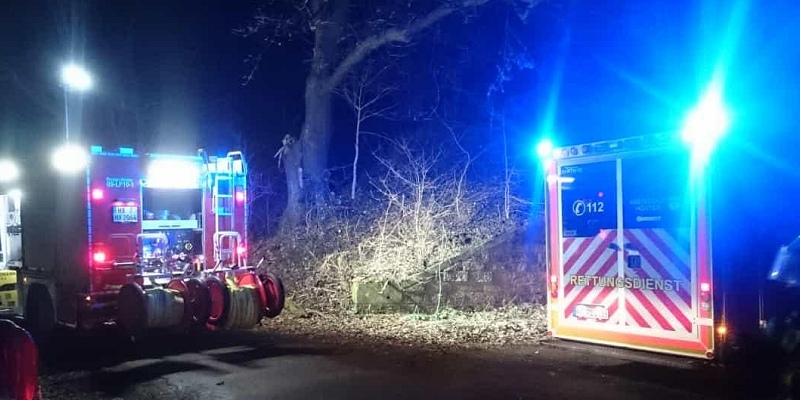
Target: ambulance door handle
(614,246)
(633,258)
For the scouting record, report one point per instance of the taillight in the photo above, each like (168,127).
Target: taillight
(99,256)
(97,194)
(241,250)
(705,296)
(553,286)
(239,197)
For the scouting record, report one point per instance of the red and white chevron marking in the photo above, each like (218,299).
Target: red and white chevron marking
(591,256)
(662,257)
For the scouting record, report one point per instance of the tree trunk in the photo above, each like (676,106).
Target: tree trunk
(292,159)
(328,68)
(305,170)
(316,137)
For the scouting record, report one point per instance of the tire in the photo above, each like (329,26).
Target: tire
(219,306)
(276,295)
(40,314)
(200,301)
(132,309)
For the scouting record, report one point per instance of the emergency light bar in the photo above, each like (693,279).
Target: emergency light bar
(703,126)
(609,146)
(122,151)
(232,163)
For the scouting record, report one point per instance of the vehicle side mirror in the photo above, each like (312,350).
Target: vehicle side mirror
(786,267)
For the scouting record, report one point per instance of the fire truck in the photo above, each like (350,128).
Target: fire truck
(629,255)
(142,241)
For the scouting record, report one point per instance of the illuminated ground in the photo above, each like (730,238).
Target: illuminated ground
(262,365)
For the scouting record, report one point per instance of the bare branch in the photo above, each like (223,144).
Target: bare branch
(278,21)
(255,62)
(395,35)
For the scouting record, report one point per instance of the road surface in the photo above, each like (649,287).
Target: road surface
(270,366)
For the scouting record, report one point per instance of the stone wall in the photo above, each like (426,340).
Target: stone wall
(509,269)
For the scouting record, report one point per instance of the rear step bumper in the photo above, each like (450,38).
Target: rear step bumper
(631,355)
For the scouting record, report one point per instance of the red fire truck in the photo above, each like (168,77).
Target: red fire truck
(144,241)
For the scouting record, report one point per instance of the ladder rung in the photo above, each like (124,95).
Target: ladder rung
(224,196)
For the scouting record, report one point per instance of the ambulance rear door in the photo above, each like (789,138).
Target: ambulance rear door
(626,252)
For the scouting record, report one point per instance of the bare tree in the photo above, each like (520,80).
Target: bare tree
(462,175)
(341,36)
(366,94)
(514,57)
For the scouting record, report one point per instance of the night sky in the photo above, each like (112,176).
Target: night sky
(174,66)
(169,75)
(622,67)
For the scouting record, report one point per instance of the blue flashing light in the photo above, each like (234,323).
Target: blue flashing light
(706,123)
(96,149)
(127,151)
(161,156)
(544,149)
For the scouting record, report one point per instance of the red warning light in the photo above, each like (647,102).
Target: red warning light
(97,194)
(99,257)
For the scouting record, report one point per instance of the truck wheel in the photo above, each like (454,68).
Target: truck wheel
(276,295)
(200,301)
(132,309)
(220,296)
(39,314)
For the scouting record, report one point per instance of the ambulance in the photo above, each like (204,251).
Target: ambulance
(628,246)
(629,240)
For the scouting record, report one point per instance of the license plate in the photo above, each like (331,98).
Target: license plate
(125,214)
(590,311)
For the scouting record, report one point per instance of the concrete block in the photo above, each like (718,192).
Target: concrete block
(380,297)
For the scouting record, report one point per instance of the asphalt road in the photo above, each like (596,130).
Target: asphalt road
(270,366)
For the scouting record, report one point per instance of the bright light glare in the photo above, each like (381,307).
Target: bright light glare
(76,78)
(70,158)
(560,179)
(544,149)
(99,257)
(8,171)
(15,194)
(176,174)
(707,123)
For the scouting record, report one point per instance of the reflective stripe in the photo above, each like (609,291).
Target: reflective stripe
(704,321)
